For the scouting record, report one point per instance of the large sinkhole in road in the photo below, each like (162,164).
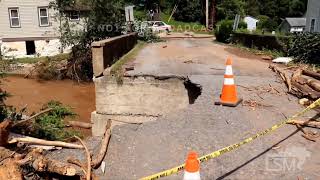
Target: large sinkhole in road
(194,90)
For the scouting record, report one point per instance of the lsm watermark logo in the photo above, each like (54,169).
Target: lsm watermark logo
(290,159)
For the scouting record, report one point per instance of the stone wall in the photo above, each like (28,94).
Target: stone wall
(106,52)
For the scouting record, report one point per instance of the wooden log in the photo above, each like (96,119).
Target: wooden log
(4,132)
(79,124)
(311,74)
(305,91)
(88,158)
(31,140)
(306,123)
(32,117)
(314,84)
(296,74)
(77,162)
(96,162)
(39,163)
(301,80)
(283,74)
(43,164)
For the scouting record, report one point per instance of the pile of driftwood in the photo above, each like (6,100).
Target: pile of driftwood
(13,158)
(302,83)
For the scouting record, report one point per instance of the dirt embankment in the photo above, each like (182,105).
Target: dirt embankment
(34,93)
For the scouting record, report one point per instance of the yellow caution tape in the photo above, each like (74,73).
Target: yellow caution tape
(234,146)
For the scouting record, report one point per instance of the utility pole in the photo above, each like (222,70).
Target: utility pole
(207,14)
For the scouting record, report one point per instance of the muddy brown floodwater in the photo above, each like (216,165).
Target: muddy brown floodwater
(35,93)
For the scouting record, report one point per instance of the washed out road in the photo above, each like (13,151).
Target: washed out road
(136,151)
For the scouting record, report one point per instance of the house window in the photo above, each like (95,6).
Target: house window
(43,16)
(312,26)
(14,17)
(74,16)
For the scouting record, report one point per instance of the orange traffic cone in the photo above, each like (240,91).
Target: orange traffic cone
(229,93)
(192,168)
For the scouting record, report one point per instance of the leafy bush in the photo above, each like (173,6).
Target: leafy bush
(261,42)
(145,32)
(224,30)
(267,24)
(140,15)
(51,125)
(305,47)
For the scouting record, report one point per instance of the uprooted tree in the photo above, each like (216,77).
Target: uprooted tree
(18,160)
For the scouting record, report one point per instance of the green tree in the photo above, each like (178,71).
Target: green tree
(252,8)
(189,11)
(266,23)
(105,19)
(227,9)
(277,10)
(297,7)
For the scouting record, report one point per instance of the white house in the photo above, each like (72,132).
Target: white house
(251,23)
(31,27)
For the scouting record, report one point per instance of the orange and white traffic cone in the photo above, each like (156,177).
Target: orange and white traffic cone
(192,168)
(229,92)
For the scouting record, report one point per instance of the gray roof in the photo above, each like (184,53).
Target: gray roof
(297,22)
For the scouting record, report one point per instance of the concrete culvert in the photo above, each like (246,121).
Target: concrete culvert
(194,90)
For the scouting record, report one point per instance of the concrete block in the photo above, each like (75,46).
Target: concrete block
(142,95)
(97,61)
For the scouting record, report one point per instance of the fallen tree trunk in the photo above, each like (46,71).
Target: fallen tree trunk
(311,74)
(88,173)
(301,80)
(104,147)
(38,162)
(79,124)
(304,91)
(31,140)
(283,74)
(314,84)
(296,74)
(43,164)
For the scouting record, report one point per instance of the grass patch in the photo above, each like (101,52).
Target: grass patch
(117,68)
(32,60)
(273,53)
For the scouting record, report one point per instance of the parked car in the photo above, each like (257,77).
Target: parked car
(157,26)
